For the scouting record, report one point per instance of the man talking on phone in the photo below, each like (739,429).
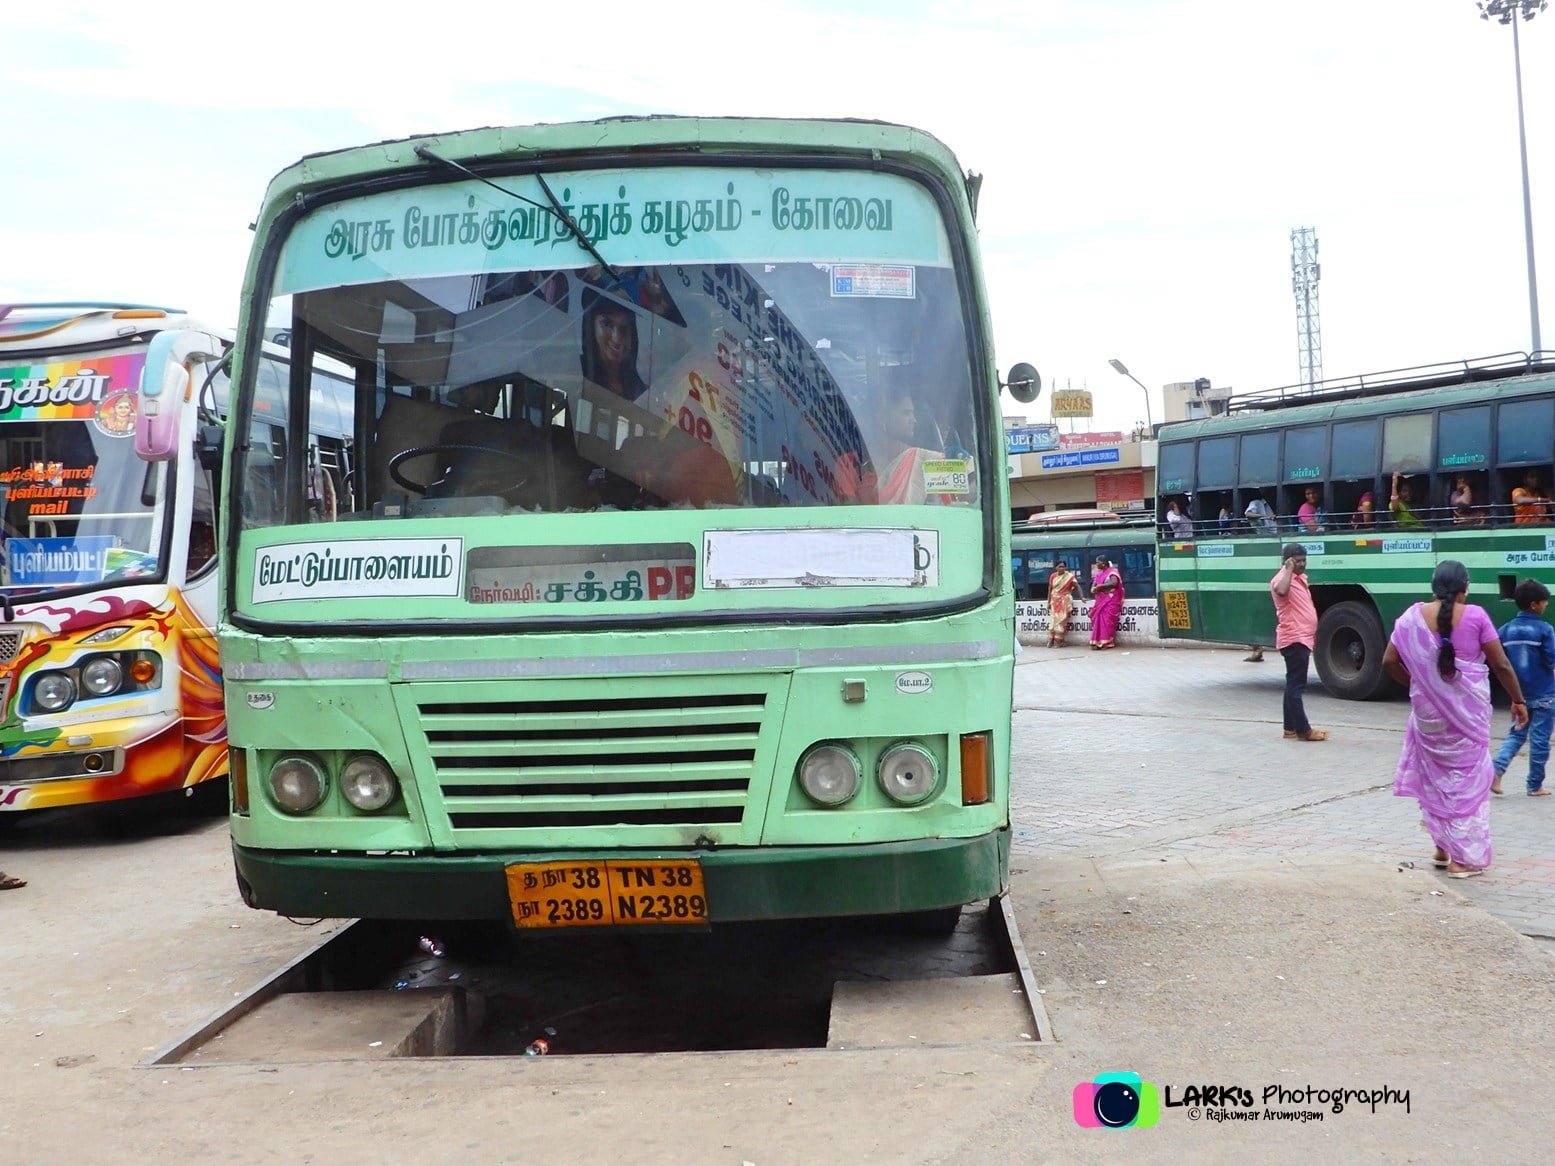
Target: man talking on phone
(1295,634)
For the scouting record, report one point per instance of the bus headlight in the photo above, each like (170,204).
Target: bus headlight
(101,676)
(829,774)
(297,784)
(53,692)
(907,773)
(368,783)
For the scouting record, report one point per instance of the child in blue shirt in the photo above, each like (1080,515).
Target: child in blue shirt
(1530,646)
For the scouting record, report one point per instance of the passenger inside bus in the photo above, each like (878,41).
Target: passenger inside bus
(1401,502)
(1530,503)
(1309,515)
(1463,497)
(1365,510)
(893,472)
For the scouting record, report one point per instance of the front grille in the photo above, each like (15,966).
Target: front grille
(579,755)
(10,644)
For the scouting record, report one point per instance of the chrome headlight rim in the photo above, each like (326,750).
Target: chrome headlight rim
(102,665)
(927,759)
(818,753)
(304,799)
(47,682)
(377,797)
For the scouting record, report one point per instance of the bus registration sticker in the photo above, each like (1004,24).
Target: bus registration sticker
(607,893)
(1177,616)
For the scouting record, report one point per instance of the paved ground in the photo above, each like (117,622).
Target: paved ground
(1202,902)
(1178,750)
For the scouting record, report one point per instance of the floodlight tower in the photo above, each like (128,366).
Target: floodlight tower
(1507,12)
(1304,272)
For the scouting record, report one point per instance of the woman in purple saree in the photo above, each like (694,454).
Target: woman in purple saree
(1444,651)
(1106,603)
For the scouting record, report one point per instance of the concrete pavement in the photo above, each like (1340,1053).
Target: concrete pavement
(1179,750)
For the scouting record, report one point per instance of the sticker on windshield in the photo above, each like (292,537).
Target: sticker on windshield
(115,417)
(946,476)
(358,569)
(891,281)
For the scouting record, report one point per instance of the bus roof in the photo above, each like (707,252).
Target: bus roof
(533,143)
(1289,415)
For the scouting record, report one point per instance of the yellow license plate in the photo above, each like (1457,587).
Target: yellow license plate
(607,893)
(1177,617)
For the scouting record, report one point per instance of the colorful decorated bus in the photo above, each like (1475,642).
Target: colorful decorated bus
(1379,478)
(108,673)
(671,585)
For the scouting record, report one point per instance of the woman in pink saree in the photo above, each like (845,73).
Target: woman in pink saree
(1106,603)
(1444,651)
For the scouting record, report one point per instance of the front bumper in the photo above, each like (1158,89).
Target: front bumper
(791,882)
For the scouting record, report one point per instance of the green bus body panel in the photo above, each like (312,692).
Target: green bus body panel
(1228,590)
(742,884)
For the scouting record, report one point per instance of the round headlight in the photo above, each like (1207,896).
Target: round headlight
(829,774)
(102,676)
(367,783)
(54,691)
(907,773)
(297,784)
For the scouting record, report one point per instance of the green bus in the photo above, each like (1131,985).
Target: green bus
(1380,478)
(1129,542)
(672,583)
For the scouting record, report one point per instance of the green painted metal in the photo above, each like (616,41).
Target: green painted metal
(498,728)
(762,883)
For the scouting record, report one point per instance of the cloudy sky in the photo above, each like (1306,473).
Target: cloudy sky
(1144,160)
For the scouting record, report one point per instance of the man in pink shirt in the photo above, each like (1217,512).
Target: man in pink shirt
(1295,633)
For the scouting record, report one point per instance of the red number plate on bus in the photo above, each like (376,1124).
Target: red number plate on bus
(607,893)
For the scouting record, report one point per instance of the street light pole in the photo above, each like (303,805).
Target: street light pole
(1118,366)
(1507,12)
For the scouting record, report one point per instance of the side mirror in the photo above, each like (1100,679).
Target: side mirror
(1024,383)
(166,386)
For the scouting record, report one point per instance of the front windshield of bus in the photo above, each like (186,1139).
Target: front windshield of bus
(759,339)
(79,508)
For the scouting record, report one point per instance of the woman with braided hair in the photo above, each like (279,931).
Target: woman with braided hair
(1444,651)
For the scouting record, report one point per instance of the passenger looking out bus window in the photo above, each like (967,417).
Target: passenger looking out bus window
(1224,521)
(1309,514)
(1261,515)
(1400,503)
(1365,510)
(1461,499)
(1530,504)
(1181,524)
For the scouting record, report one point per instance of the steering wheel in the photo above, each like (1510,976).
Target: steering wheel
(406,455)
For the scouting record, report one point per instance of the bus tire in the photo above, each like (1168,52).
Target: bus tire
(1349,651)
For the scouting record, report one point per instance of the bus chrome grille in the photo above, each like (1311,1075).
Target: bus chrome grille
(11,640)
(573,758)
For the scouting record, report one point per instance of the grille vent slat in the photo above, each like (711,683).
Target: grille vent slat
(579,762)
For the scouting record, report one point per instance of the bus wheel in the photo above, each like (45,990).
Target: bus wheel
(1349,652)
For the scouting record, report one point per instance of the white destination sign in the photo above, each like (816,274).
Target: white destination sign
(379,568)
(820,558)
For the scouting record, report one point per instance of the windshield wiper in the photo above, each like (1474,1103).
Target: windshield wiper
(555,208)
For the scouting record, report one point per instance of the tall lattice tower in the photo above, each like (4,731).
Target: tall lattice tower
(1304,273)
